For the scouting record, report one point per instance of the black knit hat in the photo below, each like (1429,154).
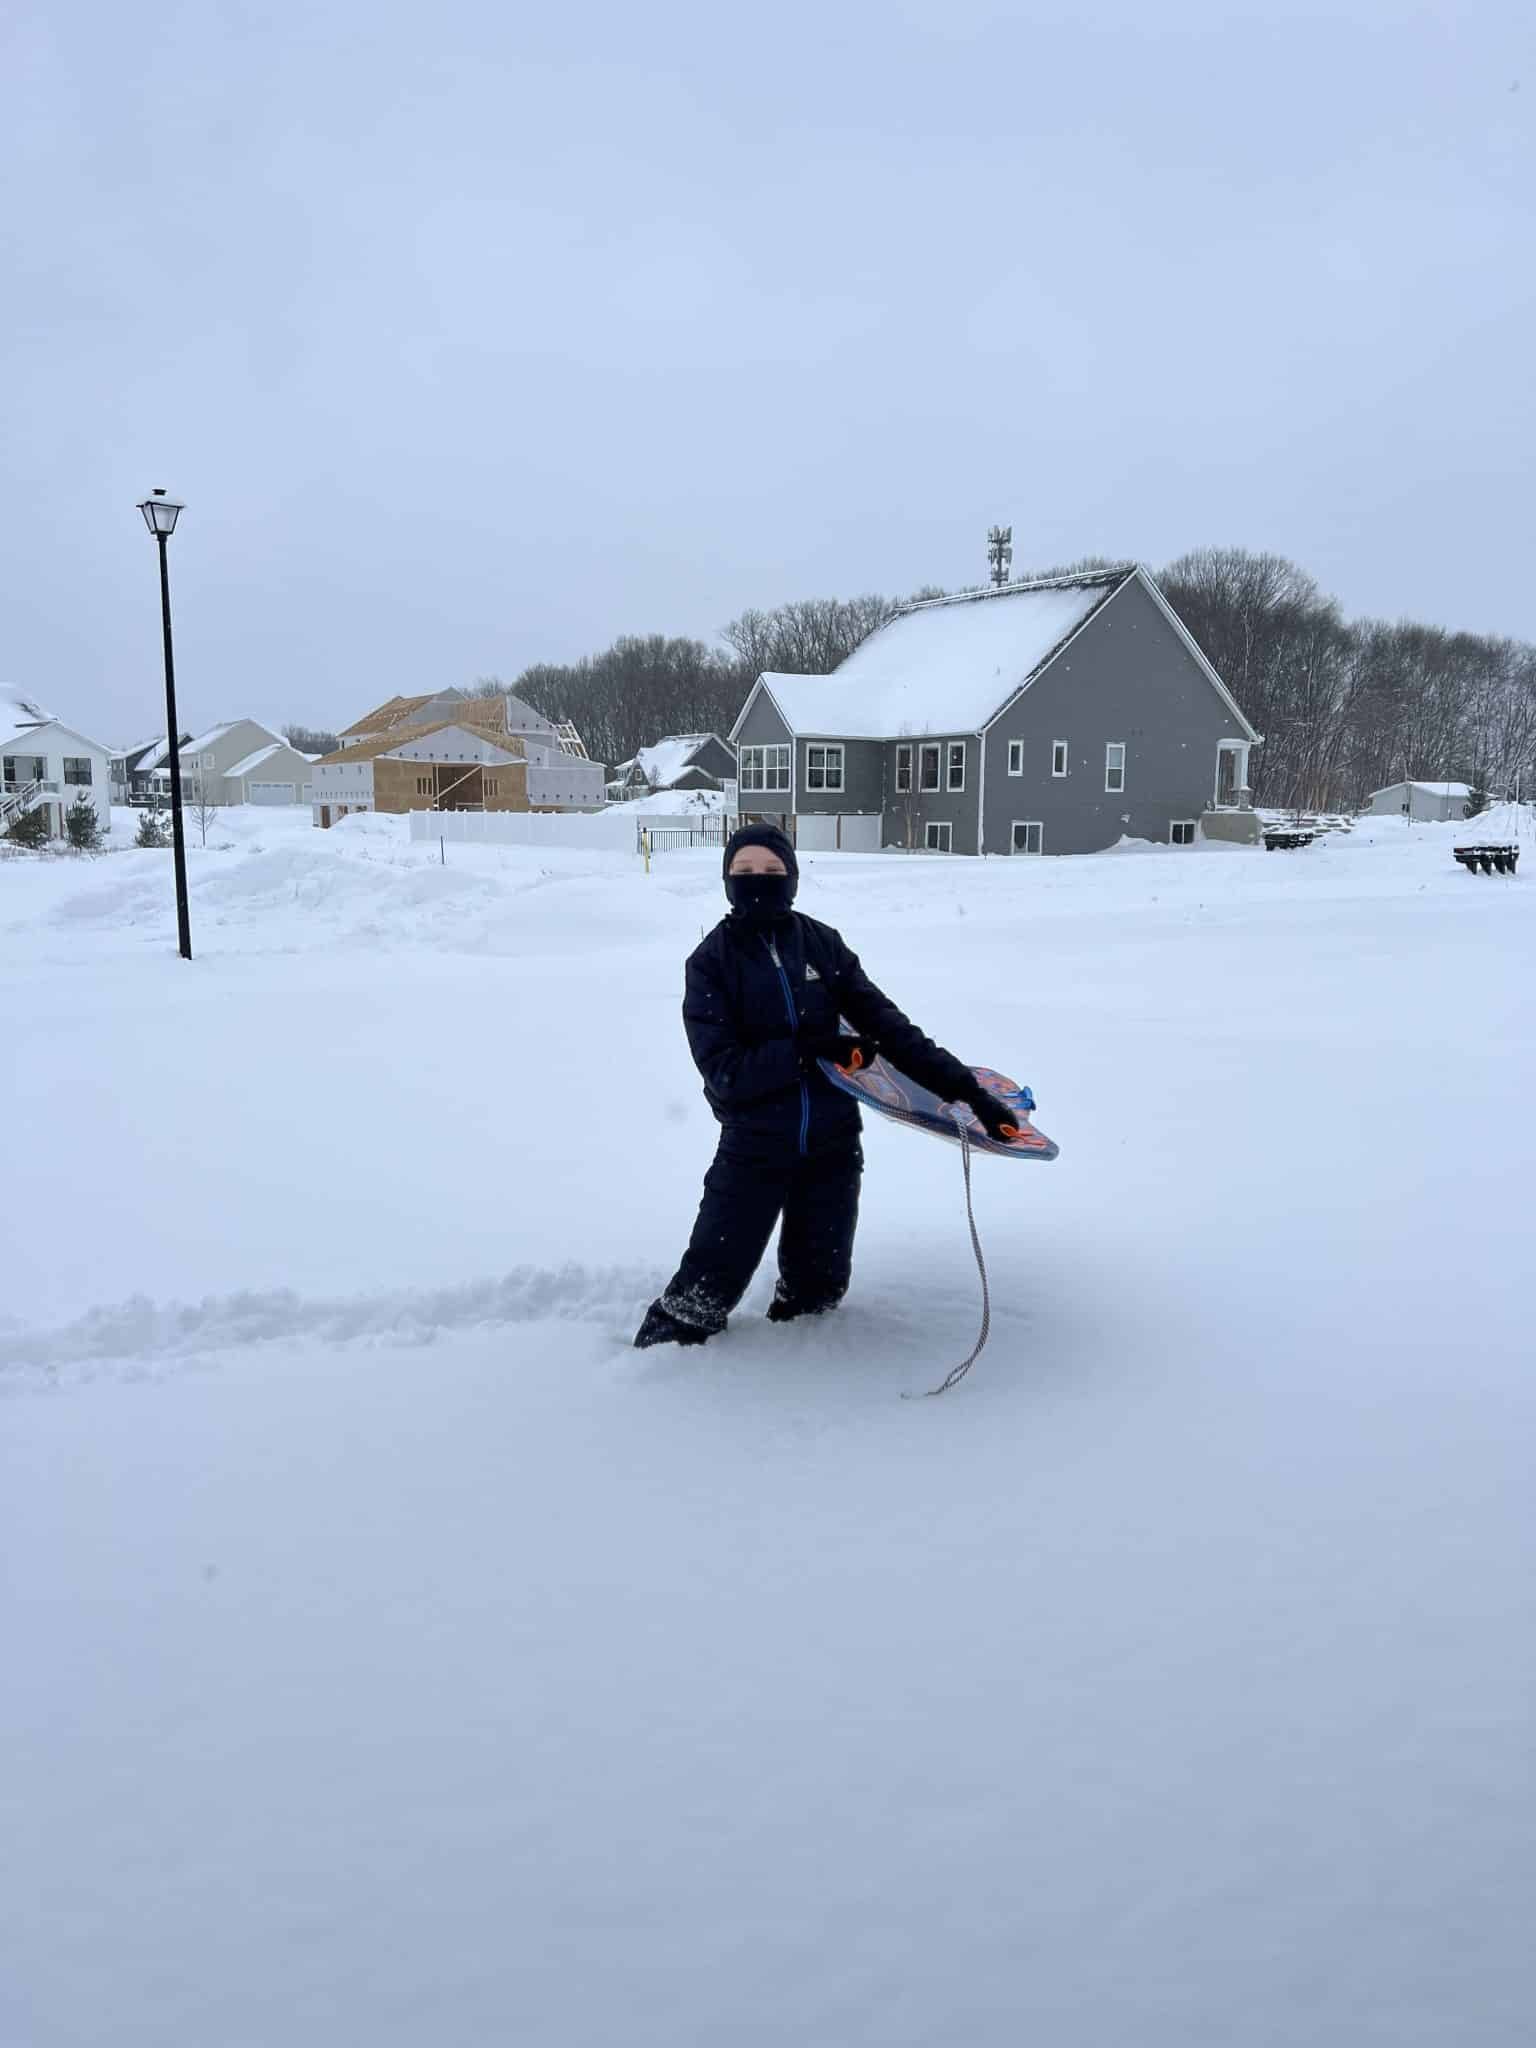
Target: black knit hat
(763,835)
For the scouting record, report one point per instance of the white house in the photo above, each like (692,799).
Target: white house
(45,765)
(1427,803)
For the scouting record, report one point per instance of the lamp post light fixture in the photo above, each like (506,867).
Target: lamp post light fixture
(160,514)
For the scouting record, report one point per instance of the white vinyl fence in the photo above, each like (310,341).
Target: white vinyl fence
(617,830)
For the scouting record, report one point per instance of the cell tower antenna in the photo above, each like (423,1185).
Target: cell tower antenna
(1000,553)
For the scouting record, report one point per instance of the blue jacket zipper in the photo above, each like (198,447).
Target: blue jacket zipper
(794,1025)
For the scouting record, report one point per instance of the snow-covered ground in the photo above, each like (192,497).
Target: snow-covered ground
(393,1656)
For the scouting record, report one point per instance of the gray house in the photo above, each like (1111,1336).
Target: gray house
(1049,717)
(690,760)
(141,773)
(207,760)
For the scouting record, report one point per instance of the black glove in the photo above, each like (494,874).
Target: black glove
(997,1119)
(850,1054)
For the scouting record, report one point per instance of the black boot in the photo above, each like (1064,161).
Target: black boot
(661,1328)
(782,1310)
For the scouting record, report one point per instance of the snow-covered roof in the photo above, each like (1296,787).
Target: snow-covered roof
(18,713)
(1426,788)
(143,754)
(253,761)
(209,738)
(664,762)
(946,665)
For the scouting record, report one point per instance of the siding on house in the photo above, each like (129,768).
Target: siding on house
(716,759)
(223,748)
(41,752)
(764,728)
(1128,677)
(763,725)
(908,814)
(863,787)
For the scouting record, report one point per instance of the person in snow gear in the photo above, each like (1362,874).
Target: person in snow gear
(766,995)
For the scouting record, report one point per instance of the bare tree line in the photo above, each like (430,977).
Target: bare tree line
(646,686)
(1346,707)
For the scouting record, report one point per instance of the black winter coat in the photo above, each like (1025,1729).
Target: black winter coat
(742,1013)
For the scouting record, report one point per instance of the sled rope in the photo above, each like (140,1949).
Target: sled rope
(957,1373)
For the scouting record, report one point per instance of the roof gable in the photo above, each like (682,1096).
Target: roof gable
(945,664)
(262,754)
(215,733)
(1202,662)
(29,735)
(952,665)
(390,713)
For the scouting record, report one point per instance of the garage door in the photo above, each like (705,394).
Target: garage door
(272,793)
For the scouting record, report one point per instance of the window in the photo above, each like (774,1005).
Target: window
(765,768)
(1028,836)
(927,767)
(936,838)
(1015,757)
(957,764)
(903,770)
(824,768)
(423,785)
(1058,757)
(77,771)
(1114,767)
(207,760)
(1182,832)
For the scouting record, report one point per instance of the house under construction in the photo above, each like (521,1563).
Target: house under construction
(452,752)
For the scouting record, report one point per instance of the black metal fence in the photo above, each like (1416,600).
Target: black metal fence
(709,831)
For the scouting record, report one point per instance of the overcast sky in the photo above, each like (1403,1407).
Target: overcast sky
(474,339)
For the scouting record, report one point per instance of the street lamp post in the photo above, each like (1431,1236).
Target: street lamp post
(160,513)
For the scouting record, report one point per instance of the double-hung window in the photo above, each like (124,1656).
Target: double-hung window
(765,768)
(1058,757)
(938,837)
(903,770)
(928,767)
(1114,768)
(77,771)
(955,772)
(824,768)
(1015,757)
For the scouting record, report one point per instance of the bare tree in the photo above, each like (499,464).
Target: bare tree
(807,638)
(311,739)
(198,803)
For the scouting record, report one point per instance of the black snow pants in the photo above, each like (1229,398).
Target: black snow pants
(818,1200)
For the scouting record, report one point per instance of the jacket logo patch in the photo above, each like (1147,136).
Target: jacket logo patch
(811,974)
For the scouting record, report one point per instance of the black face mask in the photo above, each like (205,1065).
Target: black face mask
(760,899)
